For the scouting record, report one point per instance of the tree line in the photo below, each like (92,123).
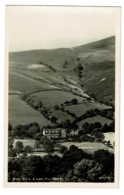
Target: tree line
(75,165)
(34,131)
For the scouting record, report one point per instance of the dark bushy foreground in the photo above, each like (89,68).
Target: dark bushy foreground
(74,166)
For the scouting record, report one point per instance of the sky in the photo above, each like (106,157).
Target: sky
(50,27)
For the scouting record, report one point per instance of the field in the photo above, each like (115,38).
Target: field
(21,113)
(94,119)
(110,136)
(19,82)
(26,142)
(31,143)
(42,154)
(50,99)
(81,108)
(62,116)
(90,147)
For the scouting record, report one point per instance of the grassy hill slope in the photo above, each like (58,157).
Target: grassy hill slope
(86,72)
(97,60)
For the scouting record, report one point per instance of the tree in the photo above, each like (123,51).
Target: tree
(28,149)
(57,146)
(19,147)
(74,101)
(51,166)
(33,130)
(75,126)
(33,168)
(70,157)
(56,107)
(86,138)
(73,148)
(69,176)
(53,119)
(10,127)
(99,136)
(65,64)
(78,59)
(105,158)
(62,149)
(10,143)
(40,104)
(79,67)
(13,170)
(37,144)
(48,146)
(85,128)
(97,125)
(38,136)
(18,131)
(87,171)
(12,153)
(43,139)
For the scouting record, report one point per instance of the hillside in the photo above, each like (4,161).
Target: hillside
(55,77)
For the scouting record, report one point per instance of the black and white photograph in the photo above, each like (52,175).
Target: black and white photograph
(62,93)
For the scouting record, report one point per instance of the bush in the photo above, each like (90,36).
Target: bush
(19,147)
(62,149)
(28,149)
(74,101)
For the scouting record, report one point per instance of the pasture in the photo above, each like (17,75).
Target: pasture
(25,84)
(81,108)
(94,119)
(26,142)
(21,113)
(56,97)
(62,116)
(90,147)
(110,136)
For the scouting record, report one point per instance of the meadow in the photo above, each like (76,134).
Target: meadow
(19,82)
(90,147)
(81,108)
(62,116)
(97,64)
(21,113)
(50,99)
(94,119)
(110,136)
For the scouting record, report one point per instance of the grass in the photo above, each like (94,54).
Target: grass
(81,108)
(94,119)
(97,59)
(62,116)
(102,90)
(110,136)
(50,99)
(26,142)
(55,87)
(24,84)
(21,113)
(88,146)
(42,154)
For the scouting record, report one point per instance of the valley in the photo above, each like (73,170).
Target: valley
(69,88)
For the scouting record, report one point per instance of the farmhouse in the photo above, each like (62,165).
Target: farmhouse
(54,133)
